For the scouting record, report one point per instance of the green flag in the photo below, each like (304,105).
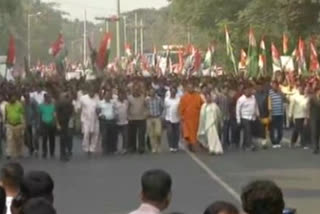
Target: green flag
(253,65)
(230,50)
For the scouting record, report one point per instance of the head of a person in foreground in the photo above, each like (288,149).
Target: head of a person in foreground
(221,207)
(156,188)
(262,197)
(38,206)
(11,176)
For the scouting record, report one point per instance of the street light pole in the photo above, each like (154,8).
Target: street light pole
(136,33)
(141,36)
(29,35)
(85,38)
(125,29)
(118,29)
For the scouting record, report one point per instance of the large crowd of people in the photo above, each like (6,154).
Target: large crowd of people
(129,114)
(33,193)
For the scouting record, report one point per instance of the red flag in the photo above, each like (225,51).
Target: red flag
(57,46)
(314,63)
(11,54)
(181,60)
(285,43)
(104,51)
(197,60)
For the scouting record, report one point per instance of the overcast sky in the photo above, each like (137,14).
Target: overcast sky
(104,7)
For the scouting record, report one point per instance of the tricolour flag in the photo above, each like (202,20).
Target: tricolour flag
(181,60)
(57,46)
(11,53)
(285,41)
(104,51)
(262,58)
(302,66)
(243,60)
(314,62)
(276,62)
(208,60)
(230,50)
(252,55)
(128,50)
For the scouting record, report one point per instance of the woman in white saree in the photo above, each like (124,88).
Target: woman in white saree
(210,122)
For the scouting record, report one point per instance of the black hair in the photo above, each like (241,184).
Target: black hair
(156,185)
(262,197)
(38,206)
(12,174)
(221,206)
(37,184)
(2,201)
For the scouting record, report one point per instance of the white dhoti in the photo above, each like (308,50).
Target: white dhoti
(210,119)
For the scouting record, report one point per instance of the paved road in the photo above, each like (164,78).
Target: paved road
(111,185)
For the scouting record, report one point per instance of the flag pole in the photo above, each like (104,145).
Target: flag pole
(85,37)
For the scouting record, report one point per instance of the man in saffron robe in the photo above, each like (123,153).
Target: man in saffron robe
(190,106)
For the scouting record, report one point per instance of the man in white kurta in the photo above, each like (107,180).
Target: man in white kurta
(210,121)
(89,122)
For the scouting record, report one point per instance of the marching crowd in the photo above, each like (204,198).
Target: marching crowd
(207,113)
(33,193)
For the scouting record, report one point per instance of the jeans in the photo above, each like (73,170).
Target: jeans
(173,134)
(137,130)
(108,131)
(225,132)
(247,132)
(276,126)
(235,132)
(299,130)
(315,134)
(66,143)
(122,130)
(49,131)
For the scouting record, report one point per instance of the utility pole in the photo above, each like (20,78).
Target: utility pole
(29,35)
(141,36)
(85,38)
(118,29)
(189,34)
(125,29)
(136,33)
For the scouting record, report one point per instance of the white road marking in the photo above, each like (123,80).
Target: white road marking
(214,176)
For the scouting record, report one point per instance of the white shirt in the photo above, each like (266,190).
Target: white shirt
(146,209)
(171,108)
(107,109)
(122,112)
(38,96)
(298,108)
(9,200)
(88,108)
(247,108)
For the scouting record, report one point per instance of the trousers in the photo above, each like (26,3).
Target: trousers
(15,140)
(173,134)
(137,131)
(154,131)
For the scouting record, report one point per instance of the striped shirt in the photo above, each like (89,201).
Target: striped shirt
(277,103)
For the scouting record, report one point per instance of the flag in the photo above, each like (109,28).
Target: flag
(154,57)
(230,50)
(243,60)
(197,60)
(208,60)
(285,43)
(314,63)
(262,57)
(11,54)
(181,61)
(57,46)
(302,66)
(127,49)
(276,62)
(252,55)
(104,51)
